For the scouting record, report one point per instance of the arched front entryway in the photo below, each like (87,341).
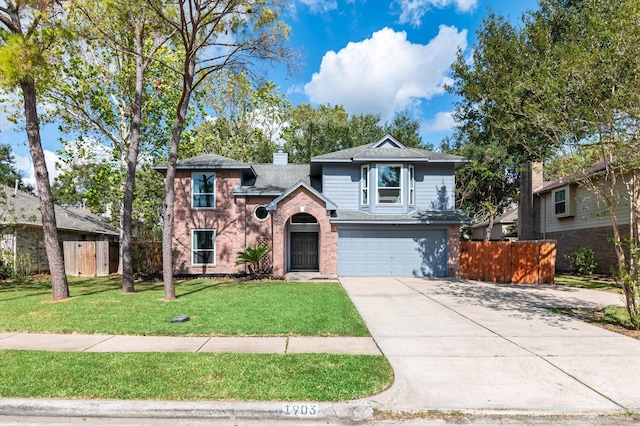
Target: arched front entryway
(304,250)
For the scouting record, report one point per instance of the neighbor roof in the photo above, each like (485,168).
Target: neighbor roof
(20,208)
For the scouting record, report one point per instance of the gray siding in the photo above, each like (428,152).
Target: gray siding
(341,184)
(429,180)
(433,184)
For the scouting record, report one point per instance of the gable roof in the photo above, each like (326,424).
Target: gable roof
(20,208)
(206,162)
(329,205)
(387,149)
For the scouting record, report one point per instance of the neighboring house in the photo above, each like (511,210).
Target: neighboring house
(567,212)
(21,228)
(505,227)
(377,209)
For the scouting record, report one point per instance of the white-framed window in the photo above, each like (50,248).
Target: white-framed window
(562,205)
(364,185)
(204,190)
(389,184)
(412,186)
(203,247)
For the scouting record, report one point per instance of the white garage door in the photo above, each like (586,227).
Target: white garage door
(399,251)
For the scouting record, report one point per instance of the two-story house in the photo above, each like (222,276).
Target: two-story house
(376,209)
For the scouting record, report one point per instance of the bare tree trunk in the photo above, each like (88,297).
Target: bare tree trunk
(487,235)
(132,160)
(59,284)
(170,177)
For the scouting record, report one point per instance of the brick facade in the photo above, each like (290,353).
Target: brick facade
(453,245)
(598,239)
(301,201)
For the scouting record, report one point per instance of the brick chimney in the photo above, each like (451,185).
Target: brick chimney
(531,178)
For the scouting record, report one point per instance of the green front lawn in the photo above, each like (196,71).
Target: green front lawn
(189,376)
(215,307)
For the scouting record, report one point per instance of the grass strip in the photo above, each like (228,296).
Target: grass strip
(215,307)
(587,282)
(188,376)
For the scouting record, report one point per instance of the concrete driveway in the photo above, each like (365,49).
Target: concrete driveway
(491,348)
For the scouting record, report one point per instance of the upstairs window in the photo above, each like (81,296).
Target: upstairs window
(560,201)
(203,190)
(364,186)
(412,184)
(562,206)
(389,184)
(203,246)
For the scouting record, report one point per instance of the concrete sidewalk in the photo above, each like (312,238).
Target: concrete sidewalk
(117,343)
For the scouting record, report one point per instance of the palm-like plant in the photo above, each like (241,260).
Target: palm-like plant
(251,256)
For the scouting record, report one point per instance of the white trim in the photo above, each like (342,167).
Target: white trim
(412,185)
(255,215)
(193,192)
(193,250)
(400,188)
(364,188)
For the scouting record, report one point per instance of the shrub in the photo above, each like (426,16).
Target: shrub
(252,257)
(582,261)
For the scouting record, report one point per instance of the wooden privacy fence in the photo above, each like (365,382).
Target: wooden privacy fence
(521,262)
(86,258)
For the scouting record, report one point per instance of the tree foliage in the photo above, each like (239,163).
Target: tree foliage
(566,81)
(30,33)
(9,173)
(213,36)
(319,130)
(246,123)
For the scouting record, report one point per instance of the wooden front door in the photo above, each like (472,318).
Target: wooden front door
(304,251)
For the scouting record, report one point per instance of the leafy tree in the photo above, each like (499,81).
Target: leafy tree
(319,130)
(115,90)
(567,80)
(29,32)
(212,36)
(406,130)
(9,173)
(247,120)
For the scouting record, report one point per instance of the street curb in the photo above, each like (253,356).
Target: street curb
(355,411)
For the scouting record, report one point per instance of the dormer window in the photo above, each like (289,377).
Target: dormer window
(364,185)
(389,184)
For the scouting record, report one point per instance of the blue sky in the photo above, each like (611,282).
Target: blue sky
(371,56)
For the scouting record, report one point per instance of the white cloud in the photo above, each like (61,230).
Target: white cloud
(386,72)
(412,11)
(25,165)
(320,6)
(443,121)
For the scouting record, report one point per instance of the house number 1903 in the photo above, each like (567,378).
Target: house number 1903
(300,410)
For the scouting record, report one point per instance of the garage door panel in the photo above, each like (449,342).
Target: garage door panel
(408,251)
